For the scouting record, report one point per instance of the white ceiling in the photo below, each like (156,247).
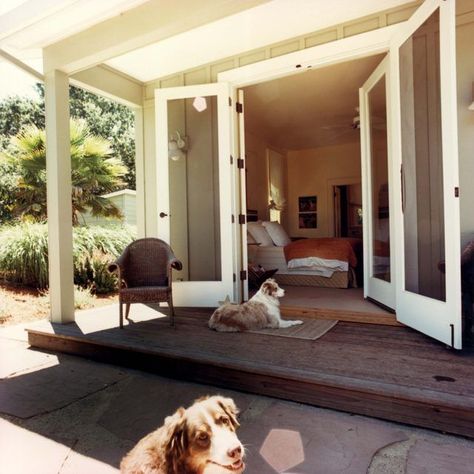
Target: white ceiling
(309,109)
(26,26)
(269,23)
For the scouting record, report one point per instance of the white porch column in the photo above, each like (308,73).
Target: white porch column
(58,173)
(140,173)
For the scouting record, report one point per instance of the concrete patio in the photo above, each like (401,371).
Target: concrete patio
(62,414)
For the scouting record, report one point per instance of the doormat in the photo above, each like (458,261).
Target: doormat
(311,329)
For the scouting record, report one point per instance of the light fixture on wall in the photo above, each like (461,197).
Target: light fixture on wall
(177,146)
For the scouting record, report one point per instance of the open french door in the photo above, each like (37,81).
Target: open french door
(377,184)
(425,157)
(194,189)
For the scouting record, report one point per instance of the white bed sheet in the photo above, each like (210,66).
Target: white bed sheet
(274,257)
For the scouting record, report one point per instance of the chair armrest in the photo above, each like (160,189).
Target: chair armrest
(114,267)
(118,267)
(176,264)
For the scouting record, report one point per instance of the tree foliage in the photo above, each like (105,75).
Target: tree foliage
(8,182)
(93,168)
(17,112)
(105,118)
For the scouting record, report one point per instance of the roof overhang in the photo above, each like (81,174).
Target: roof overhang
(155,38)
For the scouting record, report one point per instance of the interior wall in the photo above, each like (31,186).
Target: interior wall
(465,82)
(310,172)
(256,174)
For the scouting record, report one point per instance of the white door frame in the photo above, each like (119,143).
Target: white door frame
(359,46)
(198,293)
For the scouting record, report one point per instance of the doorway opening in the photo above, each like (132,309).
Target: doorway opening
(303,170)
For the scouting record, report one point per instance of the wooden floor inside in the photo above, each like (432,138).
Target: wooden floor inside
(376,370)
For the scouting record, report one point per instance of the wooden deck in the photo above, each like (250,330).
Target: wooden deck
(377,370)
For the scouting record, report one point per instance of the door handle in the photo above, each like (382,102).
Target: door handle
(402,182)
(163,214)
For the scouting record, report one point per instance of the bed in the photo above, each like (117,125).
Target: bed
(326,262)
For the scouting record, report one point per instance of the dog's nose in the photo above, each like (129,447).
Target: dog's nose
(235,452)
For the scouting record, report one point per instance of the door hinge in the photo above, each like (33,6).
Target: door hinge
(242,219)
(239,107)
(231,160)
(230,102)
(456,191)
(240,163)
(234,277)
(243,275)
(233,218)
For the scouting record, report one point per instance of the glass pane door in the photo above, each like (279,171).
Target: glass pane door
(194,190)
(378,262)
(425,121)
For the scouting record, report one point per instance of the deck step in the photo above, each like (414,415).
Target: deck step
(383,318)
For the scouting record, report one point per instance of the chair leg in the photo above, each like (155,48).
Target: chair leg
(127,310)
(121,314)
(170,304)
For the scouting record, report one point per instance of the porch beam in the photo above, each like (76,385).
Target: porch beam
(21,65)
(108,82)
(135,28)
(58,175)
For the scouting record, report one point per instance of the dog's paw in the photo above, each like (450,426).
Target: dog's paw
(288,324)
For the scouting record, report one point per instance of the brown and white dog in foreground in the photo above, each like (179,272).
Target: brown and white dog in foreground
(198,440)
(261,311)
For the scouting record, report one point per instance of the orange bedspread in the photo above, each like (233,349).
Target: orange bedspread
(329,248)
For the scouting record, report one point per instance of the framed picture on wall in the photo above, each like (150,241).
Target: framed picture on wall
(307,212)
(307,203)
(308,220)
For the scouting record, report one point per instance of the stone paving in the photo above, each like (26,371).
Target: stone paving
(63,414)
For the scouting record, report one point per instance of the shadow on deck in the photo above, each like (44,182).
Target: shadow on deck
(386,372)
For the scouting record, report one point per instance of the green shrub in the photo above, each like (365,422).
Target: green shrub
(24,254)
(83,298)
(103,280)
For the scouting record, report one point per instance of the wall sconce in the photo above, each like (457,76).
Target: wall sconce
(177,146)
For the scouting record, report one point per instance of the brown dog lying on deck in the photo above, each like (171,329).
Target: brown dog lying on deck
(261,311)
(198,440)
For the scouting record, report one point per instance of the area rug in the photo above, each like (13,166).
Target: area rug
(311,329)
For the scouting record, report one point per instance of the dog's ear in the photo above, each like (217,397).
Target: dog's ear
(269,287)
(228,405)
(177,441)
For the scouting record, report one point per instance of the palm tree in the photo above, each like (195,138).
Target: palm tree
(94,172)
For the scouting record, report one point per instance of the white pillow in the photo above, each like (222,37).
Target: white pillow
(258,232)
(277,233)
(250,239)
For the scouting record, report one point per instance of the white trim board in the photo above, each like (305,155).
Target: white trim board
(346,49)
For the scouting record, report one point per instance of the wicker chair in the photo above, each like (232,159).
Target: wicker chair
(144,273)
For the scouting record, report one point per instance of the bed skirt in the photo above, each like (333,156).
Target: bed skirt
(338,280)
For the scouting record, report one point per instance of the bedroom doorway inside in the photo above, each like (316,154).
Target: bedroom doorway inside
(311,123)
